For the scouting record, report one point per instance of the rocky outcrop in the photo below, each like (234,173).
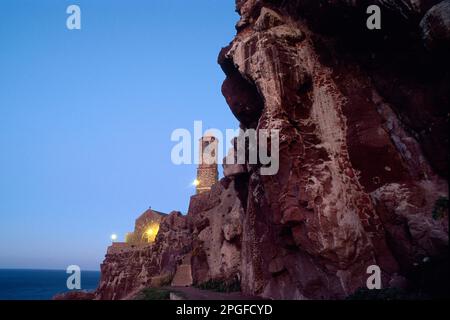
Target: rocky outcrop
(75,295)
(362,146)
(363,120)
(216,223)
(435,27)
(135,267)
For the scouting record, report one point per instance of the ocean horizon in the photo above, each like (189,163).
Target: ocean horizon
(40,284)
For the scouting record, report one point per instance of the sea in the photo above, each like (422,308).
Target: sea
(27,284)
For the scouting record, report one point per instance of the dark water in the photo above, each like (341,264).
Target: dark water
(18,284)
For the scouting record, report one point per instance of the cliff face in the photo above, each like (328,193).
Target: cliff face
(363,117)
(217,230)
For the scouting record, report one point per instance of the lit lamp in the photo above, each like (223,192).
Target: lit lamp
(151,232)
(113,237)
(196,183)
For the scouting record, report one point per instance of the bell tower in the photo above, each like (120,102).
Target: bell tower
(207,173)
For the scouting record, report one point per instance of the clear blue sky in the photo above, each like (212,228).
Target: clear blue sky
(86,118)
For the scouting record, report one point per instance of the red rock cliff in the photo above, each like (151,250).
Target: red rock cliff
(363,117)
(125,272)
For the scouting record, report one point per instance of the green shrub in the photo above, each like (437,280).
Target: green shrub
(157,294)
(153,294)
(219,285)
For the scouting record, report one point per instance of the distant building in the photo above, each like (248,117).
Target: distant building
(207,173)
(146,227)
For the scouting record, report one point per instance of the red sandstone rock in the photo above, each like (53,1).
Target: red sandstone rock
(216,246)
(123,273)
(351,172)
(75,295)
(363,158)
(435,27)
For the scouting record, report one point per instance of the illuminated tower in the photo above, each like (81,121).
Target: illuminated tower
(207,173)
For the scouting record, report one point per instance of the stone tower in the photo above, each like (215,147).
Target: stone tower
(207,173)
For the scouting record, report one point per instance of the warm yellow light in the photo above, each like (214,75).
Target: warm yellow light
(196,182)
(114,237)
(151,232)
